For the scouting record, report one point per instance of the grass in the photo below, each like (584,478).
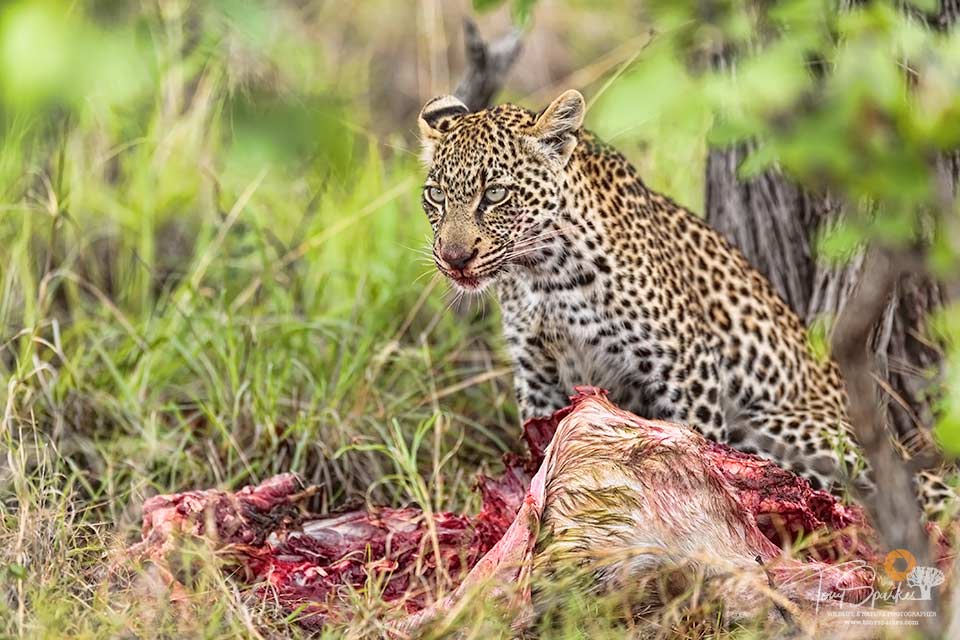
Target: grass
(140,359)
(185,305)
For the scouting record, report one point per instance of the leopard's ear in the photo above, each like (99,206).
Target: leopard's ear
(437,118)
(557,127)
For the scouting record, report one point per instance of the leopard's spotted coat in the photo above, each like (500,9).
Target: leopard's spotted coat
(602,281)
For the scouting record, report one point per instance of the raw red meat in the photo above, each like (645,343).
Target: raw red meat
(747,507)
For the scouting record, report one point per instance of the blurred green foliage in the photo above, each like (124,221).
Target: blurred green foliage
(52,56)
(519,9)
(858,102)
(861,103)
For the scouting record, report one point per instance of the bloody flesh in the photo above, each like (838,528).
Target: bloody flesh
(312,563)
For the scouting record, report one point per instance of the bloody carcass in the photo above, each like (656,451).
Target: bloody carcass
(628,494)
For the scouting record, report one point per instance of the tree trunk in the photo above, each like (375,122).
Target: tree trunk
(487,65)
(775,223)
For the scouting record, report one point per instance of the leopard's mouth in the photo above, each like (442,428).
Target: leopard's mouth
(467,282)
(470,282)
(473,277)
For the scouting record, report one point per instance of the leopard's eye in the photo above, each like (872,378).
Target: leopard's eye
(435,195)
(495,195)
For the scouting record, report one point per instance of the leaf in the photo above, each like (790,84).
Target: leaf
(775,77)
(729,131)
(943,261)
(945,326)
(947,430)
(658,86)
(757,162)
(486,5)
(818,337)
(840,243)
(522,10)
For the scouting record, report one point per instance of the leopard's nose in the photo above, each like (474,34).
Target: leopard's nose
(457,256)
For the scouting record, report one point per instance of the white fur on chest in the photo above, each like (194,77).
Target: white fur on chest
(571,324)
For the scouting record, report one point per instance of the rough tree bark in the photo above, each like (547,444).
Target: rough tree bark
(487,65)
(775,224)
(892,506)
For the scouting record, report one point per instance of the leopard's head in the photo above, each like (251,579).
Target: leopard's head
(495,182)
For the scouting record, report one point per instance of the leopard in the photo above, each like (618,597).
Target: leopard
(603,281)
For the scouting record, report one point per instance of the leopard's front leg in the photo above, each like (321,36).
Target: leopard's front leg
(536,378)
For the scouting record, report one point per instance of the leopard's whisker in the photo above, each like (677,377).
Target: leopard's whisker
(423,251)
(523,252)
(425,273)
(455,300)
(546,235)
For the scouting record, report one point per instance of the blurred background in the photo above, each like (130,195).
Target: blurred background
(212,253)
